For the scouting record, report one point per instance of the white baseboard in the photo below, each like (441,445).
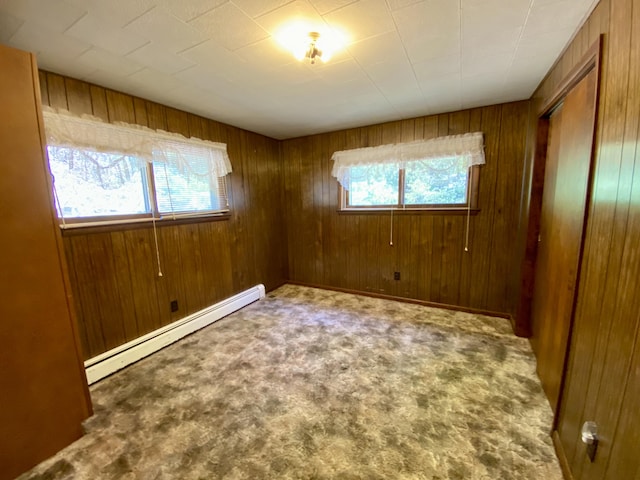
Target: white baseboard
(119,357)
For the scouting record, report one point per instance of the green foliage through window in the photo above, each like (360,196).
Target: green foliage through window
(441,182)
(371,186)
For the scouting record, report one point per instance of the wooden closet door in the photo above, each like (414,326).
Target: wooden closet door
(564,201)
(43,389)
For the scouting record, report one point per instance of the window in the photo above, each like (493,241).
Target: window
(442,183)
(94,189)
(112,187)
(373,186)
(180,193)
(106,172)
(440,173)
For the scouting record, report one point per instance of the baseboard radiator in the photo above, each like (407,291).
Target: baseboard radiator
(109,362)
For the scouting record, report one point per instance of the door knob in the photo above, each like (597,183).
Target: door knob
(590,438)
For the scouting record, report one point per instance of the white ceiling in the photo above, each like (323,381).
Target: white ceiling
(219,58)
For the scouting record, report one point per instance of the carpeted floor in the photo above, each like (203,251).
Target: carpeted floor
(313,384)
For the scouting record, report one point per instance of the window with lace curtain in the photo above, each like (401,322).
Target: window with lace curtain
(440,173)
(109,172)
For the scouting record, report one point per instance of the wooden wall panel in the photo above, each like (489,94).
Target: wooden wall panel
(78,96)
(352,251)
(508,192)
(118,293)
(602,380)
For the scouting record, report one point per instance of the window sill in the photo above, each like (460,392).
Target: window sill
(119,225)
(409,211)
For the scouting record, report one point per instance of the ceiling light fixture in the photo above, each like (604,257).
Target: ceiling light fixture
(309,43)
(313,51)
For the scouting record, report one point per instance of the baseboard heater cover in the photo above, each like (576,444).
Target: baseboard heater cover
(115,359)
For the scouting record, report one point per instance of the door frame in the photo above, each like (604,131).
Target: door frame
(591,60)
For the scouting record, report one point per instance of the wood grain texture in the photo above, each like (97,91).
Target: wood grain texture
(118,294)
(602,381)
(42,381)
(530,209)
(566,188)
(353,251)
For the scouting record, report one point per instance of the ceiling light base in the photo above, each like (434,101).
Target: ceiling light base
(313,51)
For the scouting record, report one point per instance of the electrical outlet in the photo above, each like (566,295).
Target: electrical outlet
(396,275)
(174,305)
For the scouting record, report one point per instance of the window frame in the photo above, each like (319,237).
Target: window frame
(470,205)
(151,198)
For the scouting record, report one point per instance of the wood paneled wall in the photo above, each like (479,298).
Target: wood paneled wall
(118,294)
(352,251)
(602,381)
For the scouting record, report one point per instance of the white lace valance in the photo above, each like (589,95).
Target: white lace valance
(469,147)
(90,135)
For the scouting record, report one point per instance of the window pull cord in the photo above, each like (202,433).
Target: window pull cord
(166,181)
(155,237)
(466,232)
(391,232)
(153,220)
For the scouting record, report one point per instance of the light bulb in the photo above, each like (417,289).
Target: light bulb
(298,37)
